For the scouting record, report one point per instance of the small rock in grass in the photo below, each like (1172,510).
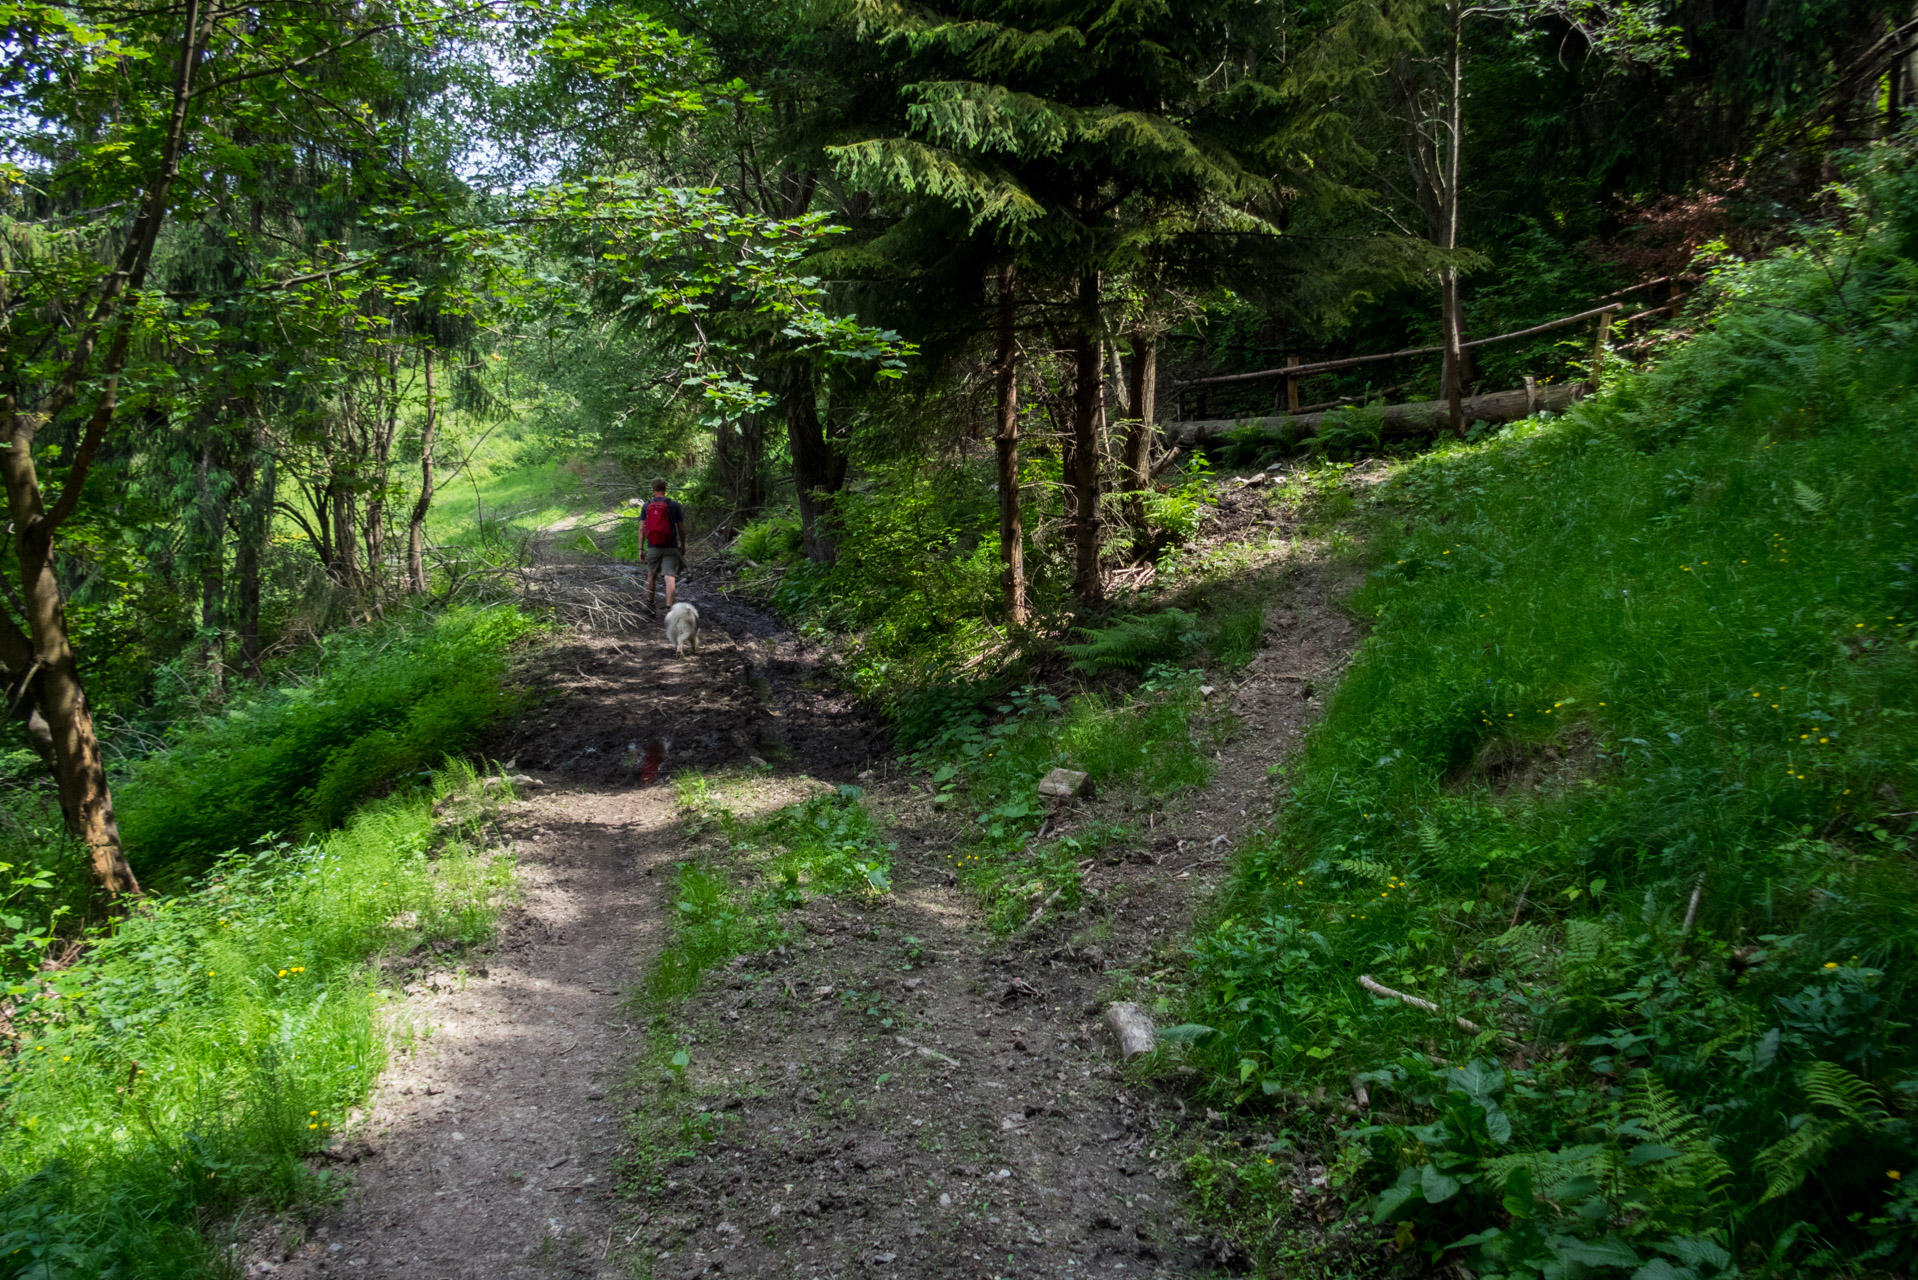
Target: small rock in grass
(1132,1027)
(1064,784)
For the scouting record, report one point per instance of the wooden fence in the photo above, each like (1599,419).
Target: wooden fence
(1293,371)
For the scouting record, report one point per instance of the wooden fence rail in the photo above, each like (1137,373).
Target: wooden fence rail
(1293,372)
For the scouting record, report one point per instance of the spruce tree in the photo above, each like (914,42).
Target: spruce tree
(1082,141)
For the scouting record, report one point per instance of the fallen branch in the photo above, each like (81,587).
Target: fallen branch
(1691,911)
(1418,418)
(1378,988)
(1034,919)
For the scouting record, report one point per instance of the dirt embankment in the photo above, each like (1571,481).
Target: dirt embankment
(897,1093)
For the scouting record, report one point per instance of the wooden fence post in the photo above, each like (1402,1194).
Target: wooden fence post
(1598,346)
(1291,386)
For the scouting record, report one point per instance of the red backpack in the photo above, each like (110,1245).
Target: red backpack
(659,523)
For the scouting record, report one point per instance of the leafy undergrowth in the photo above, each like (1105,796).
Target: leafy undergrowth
(184,1064)
(1621,787)
(383,703)
(990,759)
(825,844)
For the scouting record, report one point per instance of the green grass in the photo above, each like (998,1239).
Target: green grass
(988,760)
(183,1065)
(1658,651)
(827,844)
(381,704)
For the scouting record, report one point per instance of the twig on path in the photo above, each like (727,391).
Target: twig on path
(1034,919)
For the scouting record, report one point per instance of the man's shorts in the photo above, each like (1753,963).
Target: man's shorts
(664,559)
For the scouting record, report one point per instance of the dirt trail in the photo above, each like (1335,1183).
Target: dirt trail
(896,1094)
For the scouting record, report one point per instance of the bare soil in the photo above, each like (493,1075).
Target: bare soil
(896,1093)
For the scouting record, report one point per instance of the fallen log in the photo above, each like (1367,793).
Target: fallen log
(1420,418)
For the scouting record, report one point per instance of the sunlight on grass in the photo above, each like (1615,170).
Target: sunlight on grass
(188,1062)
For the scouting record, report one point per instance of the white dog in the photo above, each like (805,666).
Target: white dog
(682,628)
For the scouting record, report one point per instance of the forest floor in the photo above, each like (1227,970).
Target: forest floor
(895,1093)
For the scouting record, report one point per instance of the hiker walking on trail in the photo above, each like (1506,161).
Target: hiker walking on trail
(662,541)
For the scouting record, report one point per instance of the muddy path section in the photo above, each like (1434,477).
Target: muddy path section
(900,1094)
(488,1150)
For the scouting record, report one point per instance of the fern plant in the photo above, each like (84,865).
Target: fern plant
(1134,643)
(1851,1106)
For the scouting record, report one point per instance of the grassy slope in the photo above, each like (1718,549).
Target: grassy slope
(1663,645)
(183,1067)
(182,1063)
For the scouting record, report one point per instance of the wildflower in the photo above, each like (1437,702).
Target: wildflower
(312,1126)
(1893,1174)
(1831,964)
(282,973)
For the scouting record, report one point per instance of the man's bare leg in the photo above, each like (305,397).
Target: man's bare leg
(649,592)
(670,583)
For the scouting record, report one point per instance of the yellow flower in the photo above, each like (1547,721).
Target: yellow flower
(1831,964)
(282,973)
(1893,1174)
(312,1126)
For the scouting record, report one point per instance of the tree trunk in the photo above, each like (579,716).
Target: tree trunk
(1137,461)
(819,470)
(77,767)
(416,527)
(1012,533)
(212,558)
(1088,395)
(78,770)
(246,568)
(345,551)
(1451,319)
(386,428)
(737,454)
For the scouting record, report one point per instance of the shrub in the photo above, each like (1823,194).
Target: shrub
(382,704)
(776,540)
(1134,643)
